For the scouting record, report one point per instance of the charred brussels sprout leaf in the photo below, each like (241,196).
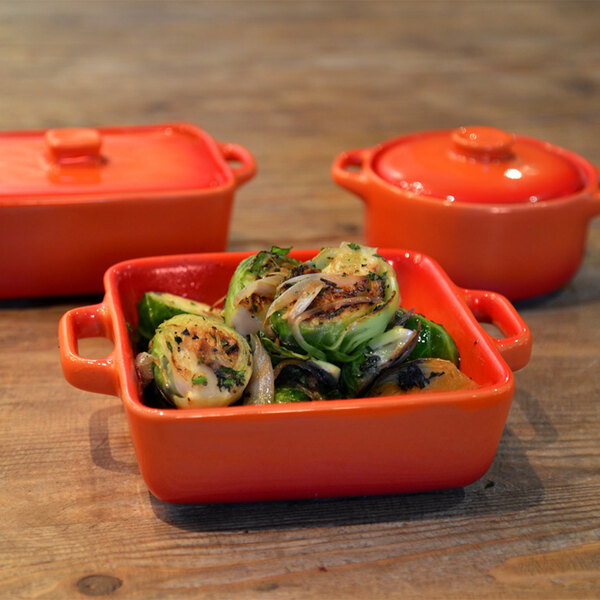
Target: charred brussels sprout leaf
(277,352)
(433,340)
(344,297)
(199,361)
(156,307)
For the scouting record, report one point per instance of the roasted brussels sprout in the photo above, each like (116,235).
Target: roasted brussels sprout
(253,287)
(384,350)
(422,375)
(306,379)
(199,361)
(156,307)
(342,299)
(327,328)
(433,340)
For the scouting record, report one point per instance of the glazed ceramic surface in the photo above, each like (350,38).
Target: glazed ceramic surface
(75,201)
(306,449)
(498,211)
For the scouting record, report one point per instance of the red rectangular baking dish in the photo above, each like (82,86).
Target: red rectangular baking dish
(350,447)
(75,201)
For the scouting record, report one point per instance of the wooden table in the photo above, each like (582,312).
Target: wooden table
(297,83)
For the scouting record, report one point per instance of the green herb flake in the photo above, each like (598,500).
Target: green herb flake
(228,378)
(199,380)
(280,251)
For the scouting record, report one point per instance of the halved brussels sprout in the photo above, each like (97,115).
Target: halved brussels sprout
(156,307)
(384,350)
(342,299)
(433,340)
(308,379)
(253,286)
(422,375)
(199,361)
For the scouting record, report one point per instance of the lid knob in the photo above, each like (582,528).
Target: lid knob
(483,143)
(74,146)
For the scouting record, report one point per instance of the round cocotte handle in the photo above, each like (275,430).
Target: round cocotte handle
(246,167)
(89,374)
(348,170)
(490,307)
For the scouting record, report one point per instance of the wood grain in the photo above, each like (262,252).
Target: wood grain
(297,83)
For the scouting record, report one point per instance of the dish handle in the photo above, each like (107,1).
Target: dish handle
(348,170)
(245,168)
(90,374)
(490,307)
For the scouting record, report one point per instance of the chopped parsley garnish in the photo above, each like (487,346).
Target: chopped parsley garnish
(228,378)
(280,251)
(199,380)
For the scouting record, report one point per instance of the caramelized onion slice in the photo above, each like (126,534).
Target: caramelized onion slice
(143,366)
(309,288)
(261,287)
(261,387)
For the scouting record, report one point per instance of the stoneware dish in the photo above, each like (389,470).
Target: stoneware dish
(315,449)
(75,201)
(498,211)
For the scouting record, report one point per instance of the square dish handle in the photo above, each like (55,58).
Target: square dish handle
(90,374)
(490,307)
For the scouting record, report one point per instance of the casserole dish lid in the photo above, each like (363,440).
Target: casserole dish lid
(64,165)
(478,164)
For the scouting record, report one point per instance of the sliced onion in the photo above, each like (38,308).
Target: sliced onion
(261,287)
(143,365)
(304,302)
(244,322)
(285,363)
(295,329)
(404,317)
(337,279)
(306,286)
(261,387)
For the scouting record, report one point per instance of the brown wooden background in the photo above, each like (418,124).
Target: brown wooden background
(298,82)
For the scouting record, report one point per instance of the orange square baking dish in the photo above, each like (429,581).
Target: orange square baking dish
(364,446)
(75,201)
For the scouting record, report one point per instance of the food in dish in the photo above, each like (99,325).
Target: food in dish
(327,328)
